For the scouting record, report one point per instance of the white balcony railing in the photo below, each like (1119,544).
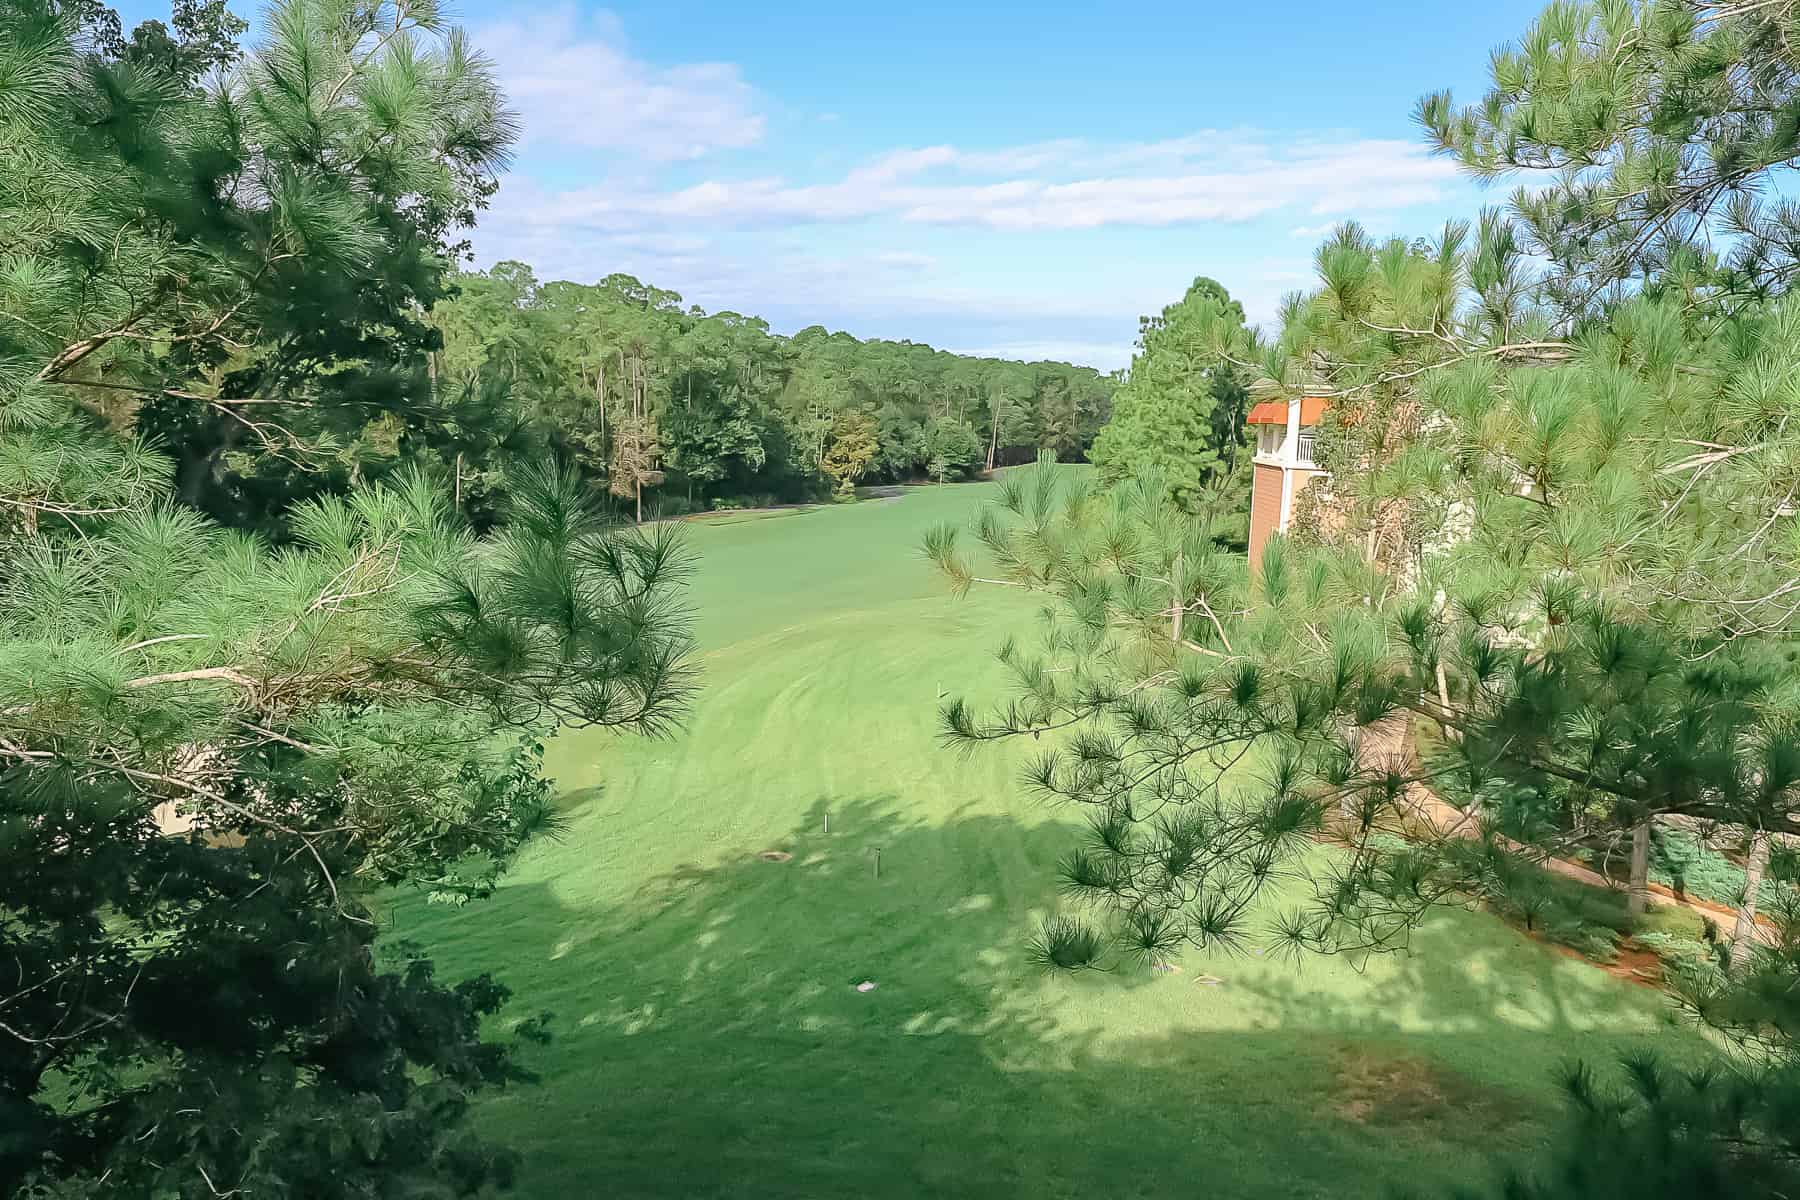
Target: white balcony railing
(1303,451)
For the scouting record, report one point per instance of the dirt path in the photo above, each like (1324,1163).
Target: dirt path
(1449,820)
(1393,745)
(880,493)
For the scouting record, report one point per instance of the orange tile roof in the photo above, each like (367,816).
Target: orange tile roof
(1274,412)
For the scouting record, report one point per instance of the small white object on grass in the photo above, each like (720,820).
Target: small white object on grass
(867,985)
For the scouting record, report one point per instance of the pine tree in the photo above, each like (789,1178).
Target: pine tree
(214,751)
(1665,1134)
(245,273)
(1560,537)
(853,447)
(1181,409)
(1651,134)
(636,453)
(1574,560)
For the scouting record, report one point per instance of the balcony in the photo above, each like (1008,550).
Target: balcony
(1276,449)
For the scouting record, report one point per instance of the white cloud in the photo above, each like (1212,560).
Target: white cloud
(575,84)
(905,259)
(1209,177)
(750,242)
(873,293)
(766,274)
(1311,232)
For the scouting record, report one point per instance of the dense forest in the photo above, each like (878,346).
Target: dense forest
(674,408)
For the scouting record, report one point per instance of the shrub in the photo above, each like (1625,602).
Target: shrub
(1065,944)
(1681,861)
(1690,963)
(1388,843)
(1591,941)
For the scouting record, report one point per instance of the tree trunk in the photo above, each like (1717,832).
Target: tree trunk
(1176,608)
(1743,935)
(196,472)
(624,383)
(459,459)
(1637,898)
(1443,687)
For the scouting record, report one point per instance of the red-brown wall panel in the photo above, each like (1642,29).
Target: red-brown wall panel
(1265,509)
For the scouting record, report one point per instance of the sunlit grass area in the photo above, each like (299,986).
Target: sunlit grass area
(700,931)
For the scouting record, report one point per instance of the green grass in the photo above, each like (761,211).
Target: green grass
(709,1040)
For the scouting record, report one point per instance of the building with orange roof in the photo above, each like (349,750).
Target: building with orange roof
(1283,466)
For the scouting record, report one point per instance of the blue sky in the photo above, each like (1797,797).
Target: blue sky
(1021,180)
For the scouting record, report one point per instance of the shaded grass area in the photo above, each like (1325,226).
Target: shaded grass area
(1606,907)
(709,1037)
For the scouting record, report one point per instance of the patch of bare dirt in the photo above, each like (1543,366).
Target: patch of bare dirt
(1634,963)
(1375,1086)
(776,856)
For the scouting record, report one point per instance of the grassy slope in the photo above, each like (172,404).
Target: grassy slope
(709,1041)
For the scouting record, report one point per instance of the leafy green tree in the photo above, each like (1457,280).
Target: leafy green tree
(952,450)
(1181,409)
(718,412)
(853,447)
(1009,411)
(1059,416)
(807,408)
(482,430)
(901,447)
(713,435)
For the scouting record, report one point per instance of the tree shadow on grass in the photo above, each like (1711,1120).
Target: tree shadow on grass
(711,1040)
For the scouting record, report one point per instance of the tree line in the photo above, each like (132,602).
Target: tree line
(672,408)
